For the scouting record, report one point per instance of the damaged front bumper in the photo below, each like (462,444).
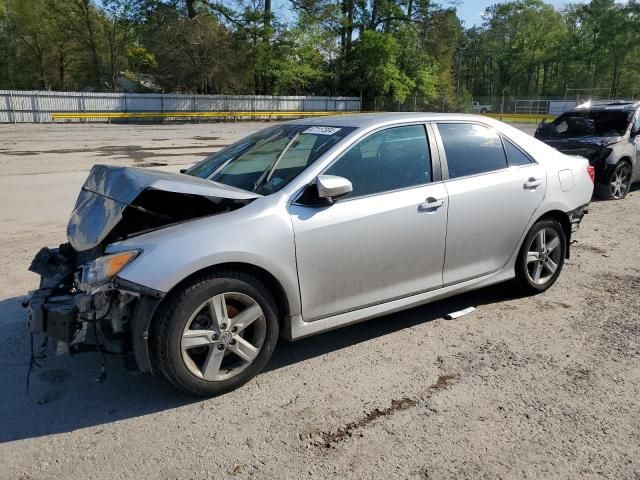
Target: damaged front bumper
(113,318)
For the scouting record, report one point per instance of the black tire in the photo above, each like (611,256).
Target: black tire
(525,268)
(171,321)
(483,110)
(611,189)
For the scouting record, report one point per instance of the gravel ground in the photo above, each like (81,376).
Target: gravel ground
(539,387)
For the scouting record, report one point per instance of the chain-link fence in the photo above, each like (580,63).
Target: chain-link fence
(513,108)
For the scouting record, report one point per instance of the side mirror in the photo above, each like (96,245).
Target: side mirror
(332,187)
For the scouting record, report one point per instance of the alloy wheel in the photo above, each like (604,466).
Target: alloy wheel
(544,254)
(619,183)
(223,336)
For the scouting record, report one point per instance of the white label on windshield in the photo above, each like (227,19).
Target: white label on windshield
(322,130)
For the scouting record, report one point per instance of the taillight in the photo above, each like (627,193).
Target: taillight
(591,170)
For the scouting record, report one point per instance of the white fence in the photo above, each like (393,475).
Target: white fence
(538,106)
(557,107)
(38,106)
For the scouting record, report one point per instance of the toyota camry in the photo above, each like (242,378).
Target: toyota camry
(300,228)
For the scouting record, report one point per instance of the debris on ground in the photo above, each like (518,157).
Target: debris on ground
(459,313)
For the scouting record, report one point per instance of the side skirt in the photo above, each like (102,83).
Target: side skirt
(297,328)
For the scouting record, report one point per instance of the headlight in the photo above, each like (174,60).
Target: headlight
(103,269)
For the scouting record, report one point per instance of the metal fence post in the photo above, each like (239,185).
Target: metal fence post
(12,108)
(36,104)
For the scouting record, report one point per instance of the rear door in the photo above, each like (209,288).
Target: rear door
(494,189)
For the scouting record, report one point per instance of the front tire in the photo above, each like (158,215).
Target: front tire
(541,257)
(618,183)
(215,333)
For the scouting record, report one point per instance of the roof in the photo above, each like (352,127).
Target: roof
(608,105)
(362,120)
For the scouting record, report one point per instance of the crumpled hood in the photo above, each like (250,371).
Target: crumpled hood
(591,148)
(589,140)
(146,199)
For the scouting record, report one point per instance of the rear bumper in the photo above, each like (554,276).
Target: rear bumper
(576,216)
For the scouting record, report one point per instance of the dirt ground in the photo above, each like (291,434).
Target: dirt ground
(539,387)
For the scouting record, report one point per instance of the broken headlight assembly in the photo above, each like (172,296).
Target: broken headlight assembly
(103,269)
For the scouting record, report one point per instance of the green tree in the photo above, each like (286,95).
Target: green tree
(376,61)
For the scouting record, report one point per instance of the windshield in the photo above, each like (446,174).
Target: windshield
(269,159)
(600,123)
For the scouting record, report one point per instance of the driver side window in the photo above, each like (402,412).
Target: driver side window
(390,159)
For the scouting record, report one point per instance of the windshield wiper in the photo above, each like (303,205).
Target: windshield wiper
(266,175)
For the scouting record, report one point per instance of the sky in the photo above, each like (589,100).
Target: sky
(468,11)
(471,11)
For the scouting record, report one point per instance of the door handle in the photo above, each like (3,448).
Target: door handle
(430,204)
(532,183)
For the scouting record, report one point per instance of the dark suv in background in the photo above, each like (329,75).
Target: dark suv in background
(607,133)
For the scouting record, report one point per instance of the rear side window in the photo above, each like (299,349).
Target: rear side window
(471,149)
(515,156)
(390,159)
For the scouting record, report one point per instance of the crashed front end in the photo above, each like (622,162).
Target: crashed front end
(82,301)
(86,306)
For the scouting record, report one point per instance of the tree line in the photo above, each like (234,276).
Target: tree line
(399,49)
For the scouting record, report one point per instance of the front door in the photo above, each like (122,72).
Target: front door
(494,189)
(385,240)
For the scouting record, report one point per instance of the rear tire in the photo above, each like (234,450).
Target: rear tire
(541,257)
(215,333)
(618,183)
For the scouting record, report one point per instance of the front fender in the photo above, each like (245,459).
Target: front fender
(259,234)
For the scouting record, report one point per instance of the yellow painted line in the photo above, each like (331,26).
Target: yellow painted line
(508,117)
(63,115)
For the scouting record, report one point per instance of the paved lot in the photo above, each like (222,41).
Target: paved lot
(540,387)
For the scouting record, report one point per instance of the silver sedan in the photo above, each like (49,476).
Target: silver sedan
(301,228)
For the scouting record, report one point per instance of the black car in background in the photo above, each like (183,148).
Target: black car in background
(607,133)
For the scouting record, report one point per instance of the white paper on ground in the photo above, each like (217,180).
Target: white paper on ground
(459,313)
